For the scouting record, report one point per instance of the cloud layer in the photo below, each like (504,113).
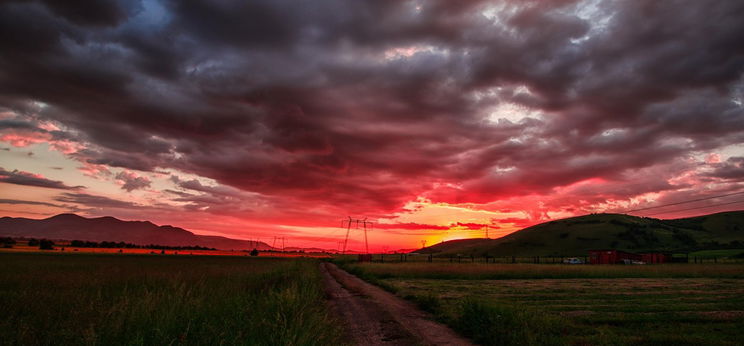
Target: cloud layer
(360,107)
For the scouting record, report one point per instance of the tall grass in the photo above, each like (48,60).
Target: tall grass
(161,300)
(488,323)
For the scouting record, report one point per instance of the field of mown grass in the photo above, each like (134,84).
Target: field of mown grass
(99,299)
(575,305)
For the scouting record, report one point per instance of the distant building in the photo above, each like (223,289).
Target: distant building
(622,257)
(653,258)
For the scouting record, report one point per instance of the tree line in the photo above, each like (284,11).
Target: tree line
(121,244)
(46,244)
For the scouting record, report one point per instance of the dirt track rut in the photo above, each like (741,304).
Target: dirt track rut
(373,316)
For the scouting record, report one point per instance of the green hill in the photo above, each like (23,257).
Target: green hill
(574,236)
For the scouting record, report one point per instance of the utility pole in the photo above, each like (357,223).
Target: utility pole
(346,240)
(487,232)
(366,243)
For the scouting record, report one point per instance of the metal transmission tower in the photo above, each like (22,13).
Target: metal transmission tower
(423,243)
(364,224)
(281,239)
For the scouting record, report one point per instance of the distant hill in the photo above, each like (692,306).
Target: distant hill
(74,227)
(574,236)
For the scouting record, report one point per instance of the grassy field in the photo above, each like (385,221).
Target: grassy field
(97,299)
(483,271)
(523,304)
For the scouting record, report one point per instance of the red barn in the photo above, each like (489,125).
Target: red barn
(656,258)
(612,257)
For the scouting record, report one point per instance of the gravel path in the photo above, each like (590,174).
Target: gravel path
(373,316)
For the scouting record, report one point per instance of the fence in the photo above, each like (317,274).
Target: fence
(402,257)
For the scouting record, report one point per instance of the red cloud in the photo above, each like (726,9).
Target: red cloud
(410,226)
(474,225)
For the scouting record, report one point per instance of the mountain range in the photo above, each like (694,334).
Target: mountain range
(74,227)
(575,236)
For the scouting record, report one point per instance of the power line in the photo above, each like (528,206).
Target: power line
(704,207)
(684,202)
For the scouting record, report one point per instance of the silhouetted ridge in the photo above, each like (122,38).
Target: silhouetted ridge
(575,236)
(107,228)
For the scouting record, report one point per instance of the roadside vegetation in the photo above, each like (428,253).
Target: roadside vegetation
(99,299)
(529,304)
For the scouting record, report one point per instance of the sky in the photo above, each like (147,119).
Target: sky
(432,119)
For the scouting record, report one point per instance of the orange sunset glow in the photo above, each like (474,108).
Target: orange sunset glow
(432,120)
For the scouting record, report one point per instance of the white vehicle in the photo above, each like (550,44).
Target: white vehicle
(573,260)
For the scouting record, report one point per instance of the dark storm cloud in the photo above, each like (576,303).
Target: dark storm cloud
(29,179)
(15,124)
(368,104)
(94,201)
(131,181)
(732,169)
(16,201)
(98,13)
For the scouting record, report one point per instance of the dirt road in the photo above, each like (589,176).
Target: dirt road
(373,316)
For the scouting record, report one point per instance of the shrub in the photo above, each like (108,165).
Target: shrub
(7,242)
(46,244)
(429,303)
